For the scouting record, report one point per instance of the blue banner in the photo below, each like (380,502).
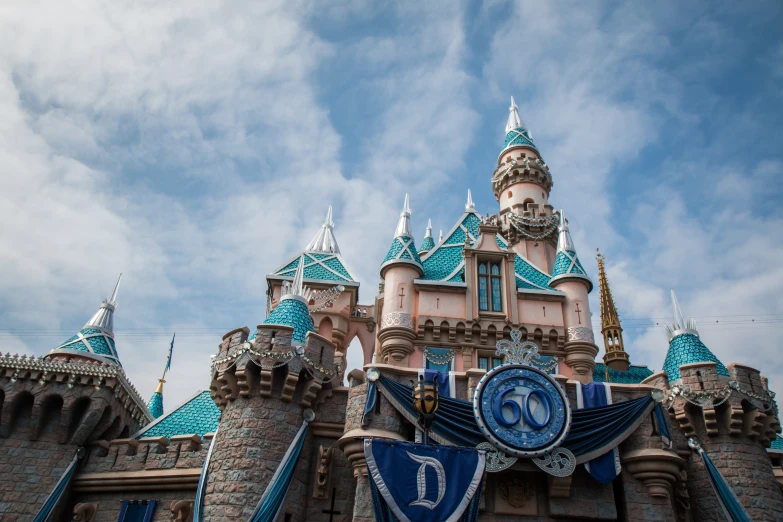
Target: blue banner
(421,482)
(607,466)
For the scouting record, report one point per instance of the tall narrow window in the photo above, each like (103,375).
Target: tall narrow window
(483,287)
(497,303)
(489,283)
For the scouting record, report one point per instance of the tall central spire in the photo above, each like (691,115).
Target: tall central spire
(615,356)
(514,121)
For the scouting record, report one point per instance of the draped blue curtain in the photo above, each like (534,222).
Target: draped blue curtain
(733,509)
(663,427)
(271,502)
(198,505)
(136,510)
(594,431)
(369,404)
(59,489)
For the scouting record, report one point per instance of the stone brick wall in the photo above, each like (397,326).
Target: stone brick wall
(29,471)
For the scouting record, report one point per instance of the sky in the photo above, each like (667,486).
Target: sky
(195,146)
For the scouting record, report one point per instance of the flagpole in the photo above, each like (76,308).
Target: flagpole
(168,360)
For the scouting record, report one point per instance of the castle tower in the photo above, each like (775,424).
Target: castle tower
(615,357)
(398,271)
(95,341)
(264,388)
(730,411)
(521,184)
(569,276)
(428,243)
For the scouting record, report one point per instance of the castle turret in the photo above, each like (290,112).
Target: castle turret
(292,310)
(569,277)
(95,341)
(730,413)
(615,357)
(399,269)
(428,243)
(685,346)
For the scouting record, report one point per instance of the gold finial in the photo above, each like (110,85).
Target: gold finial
(615,356)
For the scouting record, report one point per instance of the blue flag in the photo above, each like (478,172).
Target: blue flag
(421,482)
(171,351)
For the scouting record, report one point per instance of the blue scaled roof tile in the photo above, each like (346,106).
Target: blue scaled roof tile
(93,340)
(198,415)
(156,404)
(634,374)
(529,276)
(563,264)
(516,137)
(427,244)
(687,348)
(777,444)
(318,266)
(403,249)
(294,313)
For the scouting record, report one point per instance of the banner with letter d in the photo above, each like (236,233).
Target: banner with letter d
(420,482)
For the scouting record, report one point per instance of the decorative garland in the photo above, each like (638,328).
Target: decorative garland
(283,358)
(436,358)
(519,222)
(708,398)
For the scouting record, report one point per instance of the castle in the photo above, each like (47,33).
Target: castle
(71,422)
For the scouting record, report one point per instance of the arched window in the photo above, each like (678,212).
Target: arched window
(489,283)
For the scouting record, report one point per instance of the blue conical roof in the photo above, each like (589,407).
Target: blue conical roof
(517,134)
(403,248)
(292,311)
(156,404)
(567,264)
(685,346)
(96,338)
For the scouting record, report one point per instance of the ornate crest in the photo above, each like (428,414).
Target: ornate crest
(516,351)
(496,459)
(559,463)
(516,491)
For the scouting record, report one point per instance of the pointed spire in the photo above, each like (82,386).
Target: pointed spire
(96,338)
(567,264)
(404,224)
(564,241)
(679,324)
(469,206)
(514,121)
(324,240)
(403,249)
(685,347)
(104,317)
(428,243)
(440,236)
(296,289)
(615,356)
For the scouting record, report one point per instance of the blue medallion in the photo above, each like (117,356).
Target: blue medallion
(521,410)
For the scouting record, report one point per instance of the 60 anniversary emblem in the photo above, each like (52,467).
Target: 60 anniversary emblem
(521,410)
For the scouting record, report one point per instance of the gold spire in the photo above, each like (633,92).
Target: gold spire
(615,356)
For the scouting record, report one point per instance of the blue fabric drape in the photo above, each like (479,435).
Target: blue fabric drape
(57,493)
(594,431)
(606,467)
(198,505)
(369,404)
(663,428)
(271,502)
(136,510)
(734,510)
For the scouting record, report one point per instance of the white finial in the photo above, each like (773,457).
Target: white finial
(440,236)
(564,241)
(404,224)
(469,205)
(324,240)
(680,324)
(429,229)
(296,288)
(514,121)
(104,317)
(113,297)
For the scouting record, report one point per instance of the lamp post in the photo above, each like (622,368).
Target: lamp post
(425,399)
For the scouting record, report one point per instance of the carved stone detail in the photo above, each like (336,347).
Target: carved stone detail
(397,319)
(85,512)
(323,472)
(181,510)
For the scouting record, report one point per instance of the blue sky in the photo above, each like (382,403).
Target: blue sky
(194,146)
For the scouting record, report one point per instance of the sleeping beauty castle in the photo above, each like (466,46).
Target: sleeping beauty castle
(481,396)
